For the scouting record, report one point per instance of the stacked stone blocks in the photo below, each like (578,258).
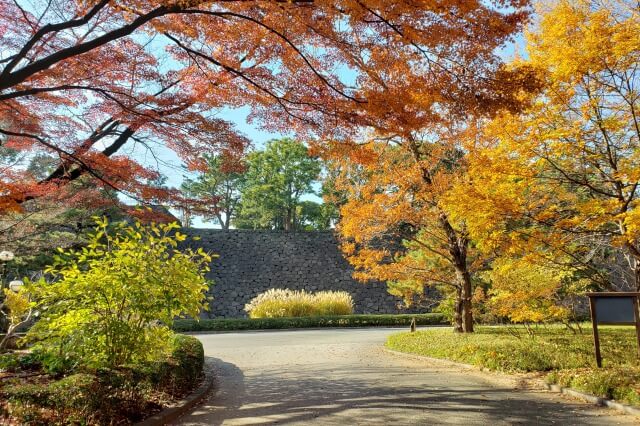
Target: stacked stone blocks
(250,262)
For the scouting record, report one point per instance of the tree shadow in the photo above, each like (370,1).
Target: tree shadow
(327,394)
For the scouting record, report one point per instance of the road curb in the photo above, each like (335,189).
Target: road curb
(596,400)
(174,411)
(441,361)
(602,402)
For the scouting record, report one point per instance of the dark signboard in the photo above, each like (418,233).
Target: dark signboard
(613,308)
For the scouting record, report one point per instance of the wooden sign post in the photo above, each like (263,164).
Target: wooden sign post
(613,309)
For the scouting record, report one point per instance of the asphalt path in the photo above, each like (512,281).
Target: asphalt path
(345,377)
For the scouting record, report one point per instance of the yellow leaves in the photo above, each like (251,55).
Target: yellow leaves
(396,202)
(348,248)
(529,186)
(524,291)
(576,38)
(17,304)
(631,221)
(565,170)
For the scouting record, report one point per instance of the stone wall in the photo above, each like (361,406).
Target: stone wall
(251,262)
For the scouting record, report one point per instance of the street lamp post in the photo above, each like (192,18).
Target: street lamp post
(15,285)
(5,256)
(8,256)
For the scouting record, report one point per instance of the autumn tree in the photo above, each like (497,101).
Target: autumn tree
(558,184)
(216,192)
(49,222)
(87,82)
(393,226)
(400,169)
(530,292)
(276,180)
(83,80)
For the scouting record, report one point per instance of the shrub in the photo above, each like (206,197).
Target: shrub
(333,303)
(177,373)
(228,324)
(17,308)
(9,362)
(12,362)
(279,303)
(112,303)
(82,398)
(108,396)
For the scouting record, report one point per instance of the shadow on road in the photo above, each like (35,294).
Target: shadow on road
(346,395)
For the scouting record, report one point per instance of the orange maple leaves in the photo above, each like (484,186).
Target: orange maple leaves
(109,74)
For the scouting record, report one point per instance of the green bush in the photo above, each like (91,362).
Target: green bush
(112,303)
(285,303)
(176,374)
(12,362)
(231,324)
(9,362)
(94,398)
(108,396)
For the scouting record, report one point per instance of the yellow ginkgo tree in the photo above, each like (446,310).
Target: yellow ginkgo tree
(559,183)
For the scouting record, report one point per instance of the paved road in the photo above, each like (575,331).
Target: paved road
(344,377)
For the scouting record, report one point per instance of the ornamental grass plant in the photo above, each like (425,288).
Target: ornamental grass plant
(283,303)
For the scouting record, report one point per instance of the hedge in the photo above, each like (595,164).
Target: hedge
(231,324)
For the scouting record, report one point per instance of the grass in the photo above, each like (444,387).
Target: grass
(565,358)
(285,303)
(231,324)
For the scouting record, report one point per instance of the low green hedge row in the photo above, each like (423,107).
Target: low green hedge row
(230,324)
(104,396)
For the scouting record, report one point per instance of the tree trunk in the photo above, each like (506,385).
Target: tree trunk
(294,226)
(227,220)
(457,312)
(466,293)
(458,244)
(287,220)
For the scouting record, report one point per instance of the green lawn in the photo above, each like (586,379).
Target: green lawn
(566,358)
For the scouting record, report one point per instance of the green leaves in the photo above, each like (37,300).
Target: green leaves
(276,180)
(112,302)
(215,194)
